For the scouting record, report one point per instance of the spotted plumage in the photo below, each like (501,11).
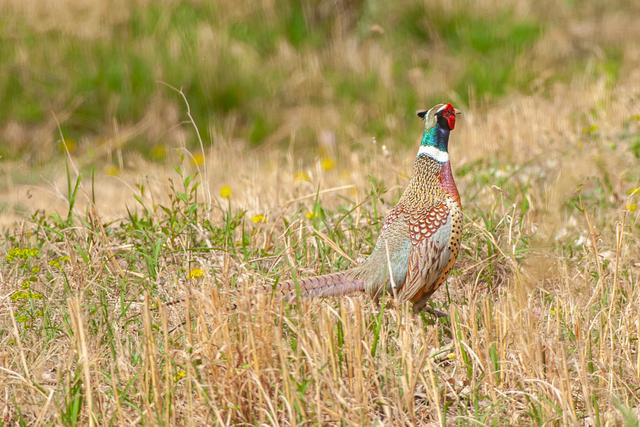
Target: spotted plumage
(420,237)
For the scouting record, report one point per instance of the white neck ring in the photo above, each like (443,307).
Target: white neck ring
(433,152)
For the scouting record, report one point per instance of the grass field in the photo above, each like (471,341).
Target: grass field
(164,164)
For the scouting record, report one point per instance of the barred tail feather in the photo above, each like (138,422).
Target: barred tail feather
(334,284)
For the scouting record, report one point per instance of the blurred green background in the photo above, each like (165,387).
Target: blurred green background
(262,71)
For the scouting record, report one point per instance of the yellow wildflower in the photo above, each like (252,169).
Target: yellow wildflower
(302,176)
(195,273)
(57,262)
(68,144)
(591,129)
(112,170)
(258,218)
(632,207)
(310,215)
(327,163)
(179,375)
(198,159)
(21,253)
(158,152)
(25,295)
(225,192)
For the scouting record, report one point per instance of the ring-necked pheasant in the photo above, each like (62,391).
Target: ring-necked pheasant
(420,236)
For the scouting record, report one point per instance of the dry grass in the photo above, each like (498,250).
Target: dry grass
(141,306)
(542,327)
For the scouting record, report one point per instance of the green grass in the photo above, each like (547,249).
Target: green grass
(489,45)
(232,66)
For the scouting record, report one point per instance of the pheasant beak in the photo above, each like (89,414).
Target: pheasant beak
(458,112)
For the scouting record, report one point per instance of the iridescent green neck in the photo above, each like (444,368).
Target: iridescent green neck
(436,137)
(434,144)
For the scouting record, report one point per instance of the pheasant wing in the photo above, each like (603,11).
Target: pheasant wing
(429,231)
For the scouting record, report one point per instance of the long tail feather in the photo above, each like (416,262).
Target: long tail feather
(334,284)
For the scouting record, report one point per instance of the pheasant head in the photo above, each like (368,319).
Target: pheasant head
(439,121)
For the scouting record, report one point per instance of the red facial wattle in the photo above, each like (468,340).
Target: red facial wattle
(451,120)
(449,114)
